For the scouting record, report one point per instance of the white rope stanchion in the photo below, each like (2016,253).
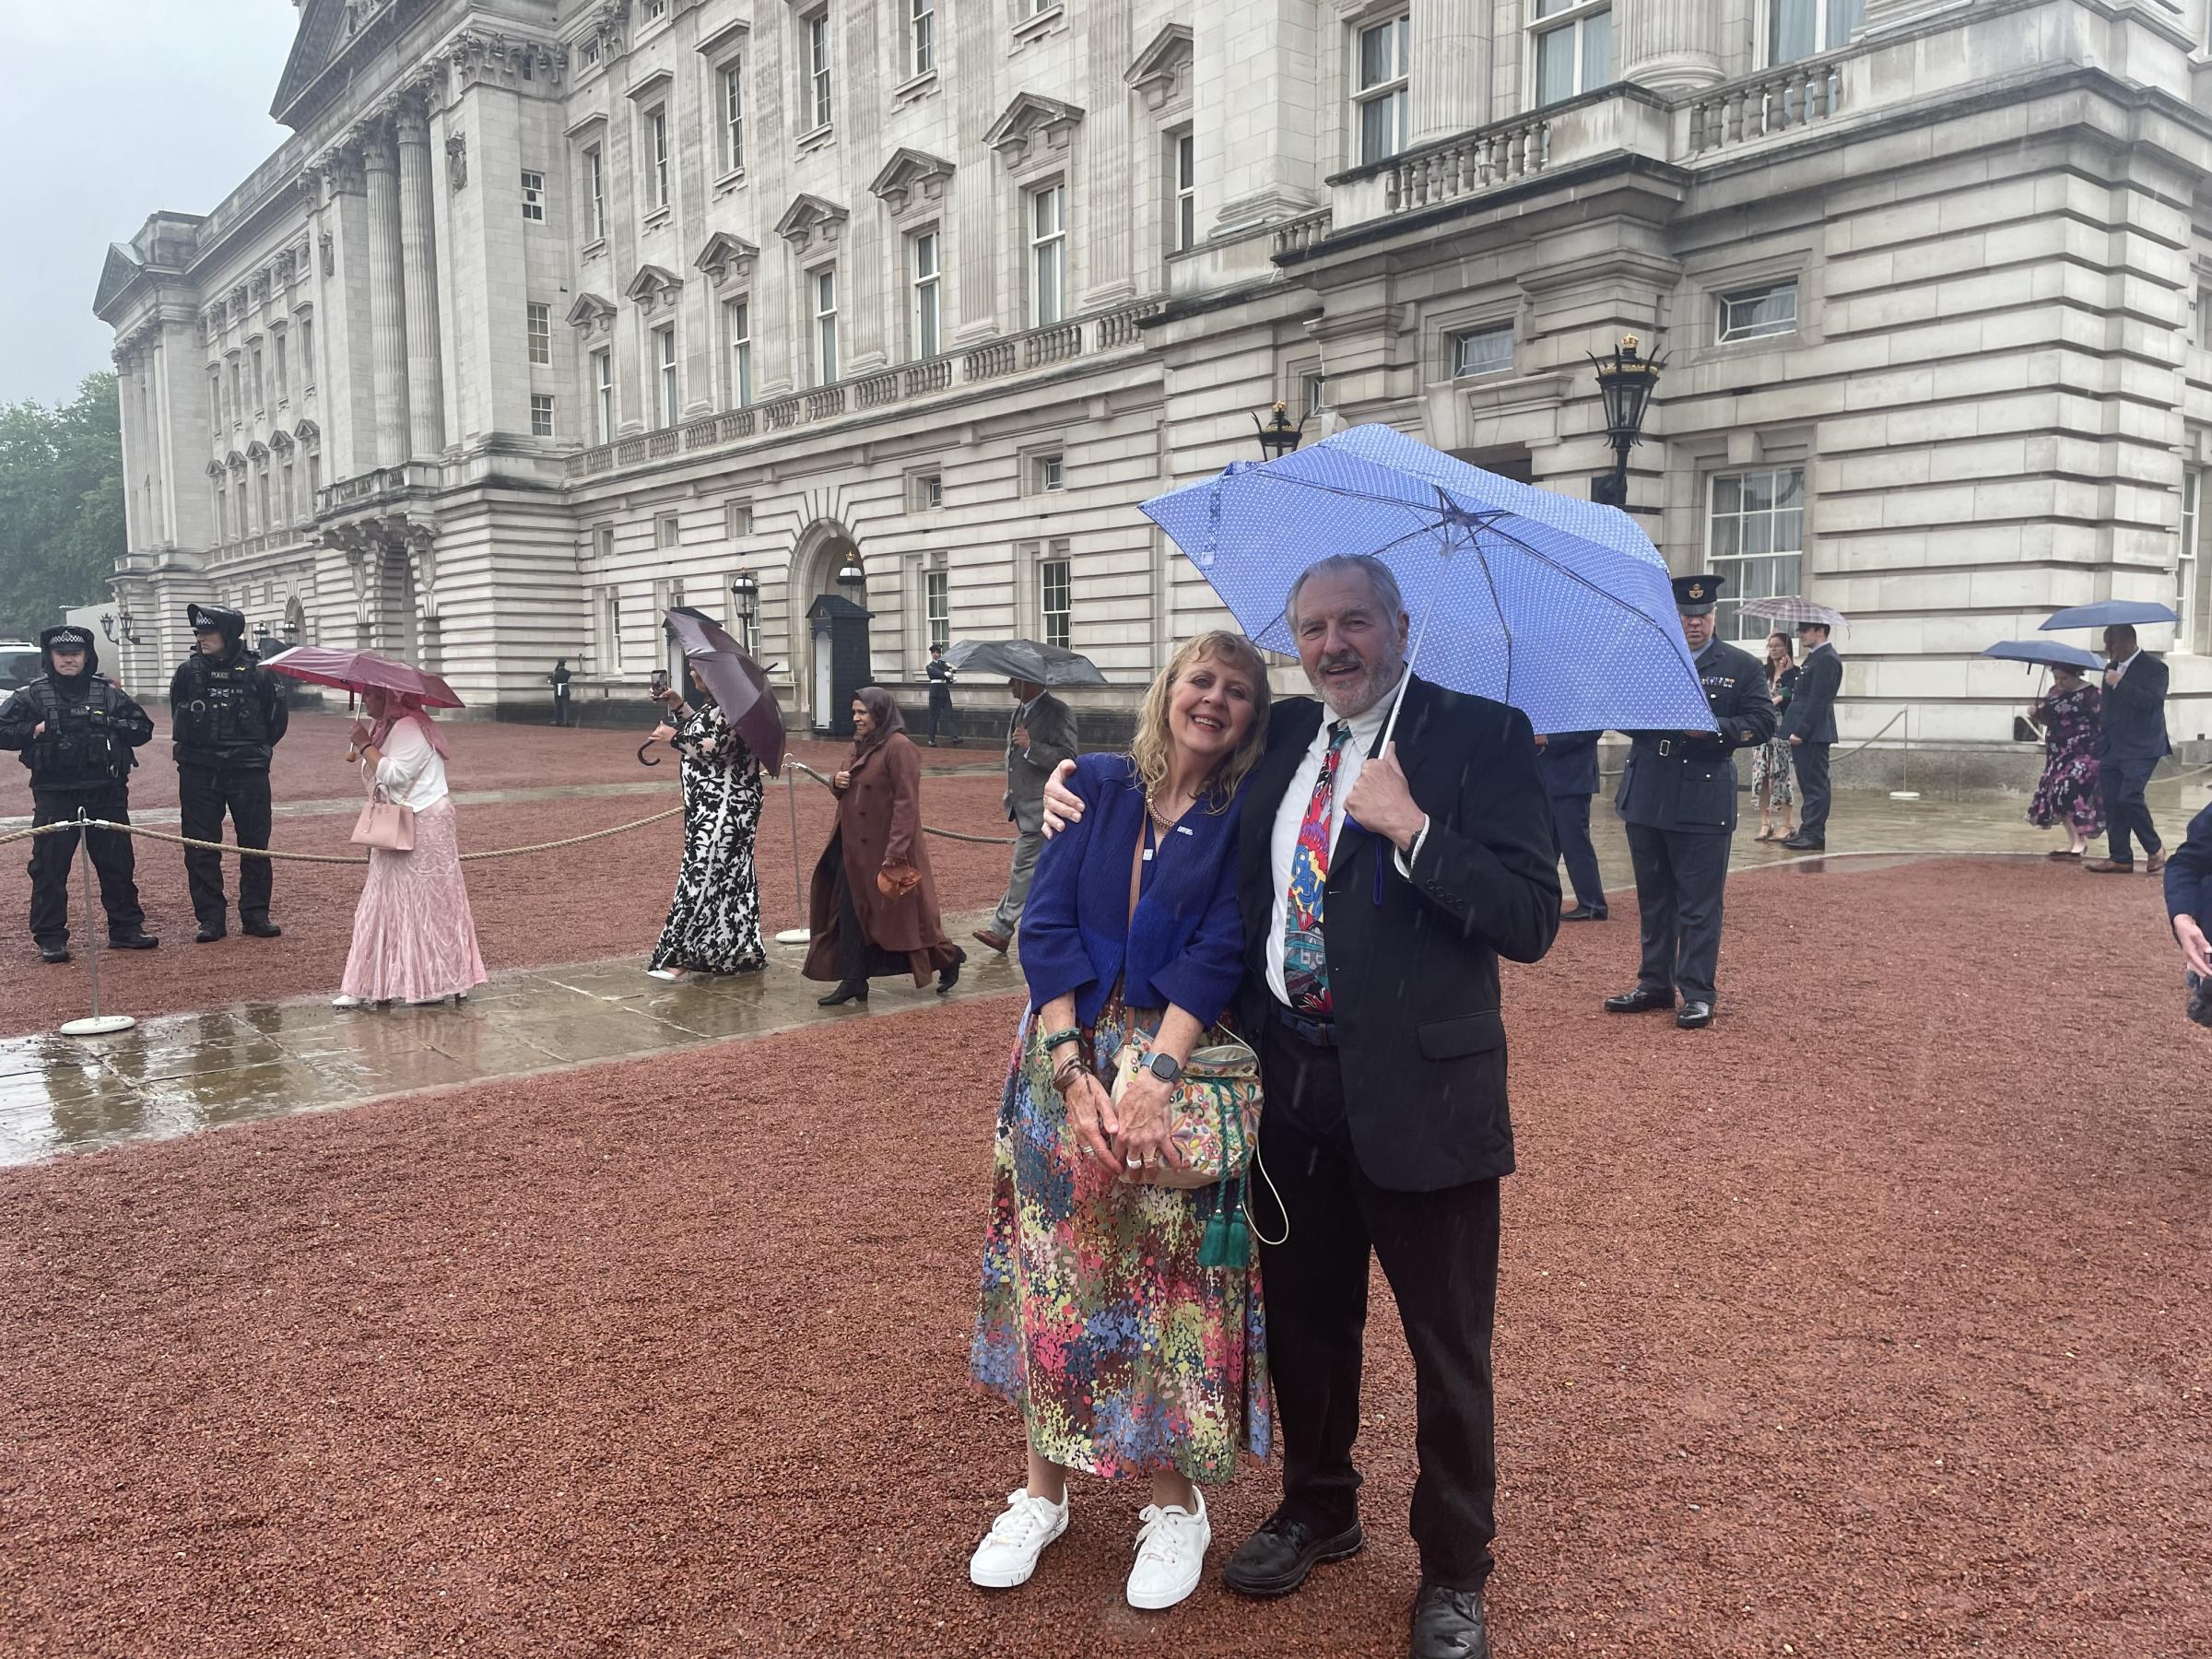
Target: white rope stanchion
(94,1024)
(794,935)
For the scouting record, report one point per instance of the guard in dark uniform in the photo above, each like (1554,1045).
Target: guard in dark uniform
(1678,798)
(940,697)
(228,715)
(77,733)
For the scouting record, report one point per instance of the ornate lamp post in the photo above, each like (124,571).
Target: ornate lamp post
(1625,382)
(1278,437)
(744,600)
(118,621)
(851,577)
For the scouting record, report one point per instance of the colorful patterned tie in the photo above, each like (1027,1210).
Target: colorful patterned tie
(1305,963)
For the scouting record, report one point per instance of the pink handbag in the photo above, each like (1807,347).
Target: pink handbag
(386,824)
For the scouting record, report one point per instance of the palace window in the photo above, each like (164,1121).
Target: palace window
(665,375)
(1573,47)
(921,37)
(1483,351)
(541,415)
(1317,393)
(738,518)
(936,608)
(656,159)
(214,395)
(813,90)
(924,312)
(731,79)
(538,323)
(314,473)
(534,195)
(1798,28)
(283,373)
(1379,95)
(737,353)
(927,491)
(603,396)
(667,530)
(822,285)
(1055,595)
(1754,313)
(2189,598)
(238,391)
(307,352)
(260,390)
(1048,473)
(1048,255)
(291,498)
(595,184)
(262,485)
(1182,171)
(1755,538)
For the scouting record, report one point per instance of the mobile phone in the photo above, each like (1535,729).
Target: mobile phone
(657,684)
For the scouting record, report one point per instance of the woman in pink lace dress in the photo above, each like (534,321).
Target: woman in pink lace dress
(413,939)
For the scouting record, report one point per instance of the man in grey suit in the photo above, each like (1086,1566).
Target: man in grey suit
(1810,726)
(1042,734)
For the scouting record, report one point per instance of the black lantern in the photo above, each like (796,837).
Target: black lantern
(1626,381)
(1278,437)
(851,577)
(107,625)
(745,599)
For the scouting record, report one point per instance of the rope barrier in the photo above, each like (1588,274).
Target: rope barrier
(70,826)
(979,841)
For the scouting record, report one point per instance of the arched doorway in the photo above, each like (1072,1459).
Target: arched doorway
(823,550)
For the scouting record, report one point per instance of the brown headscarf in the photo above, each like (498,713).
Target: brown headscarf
(884,721)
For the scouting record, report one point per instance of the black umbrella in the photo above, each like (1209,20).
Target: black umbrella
(733,679)
(1025,660)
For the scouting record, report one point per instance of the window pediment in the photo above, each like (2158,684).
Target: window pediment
(727,37)
(1032,121)
(652,286)
(811,223)
(726,256)
(909,176)
(1162,71)
(591,314)
(653,86)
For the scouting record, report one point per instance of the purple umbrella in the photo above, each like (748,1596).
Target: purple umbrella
(733,679)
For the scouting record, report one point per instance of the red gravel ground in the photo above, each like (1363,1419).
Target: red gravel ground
(604,898)
(1873,1321)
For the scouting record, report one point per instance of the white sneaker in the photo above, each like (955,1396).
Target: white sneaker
(1010,1550)
(1170,1555)
(345,1002)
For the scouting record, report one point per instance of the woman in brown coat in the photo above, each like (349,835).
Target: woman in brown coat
(873,907)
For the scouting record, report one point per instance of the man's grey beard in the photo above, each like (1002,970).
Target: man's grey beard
(1381,679)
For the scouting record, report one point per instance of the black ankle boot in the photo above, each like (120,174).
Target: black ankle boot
(949,977)
(850,991)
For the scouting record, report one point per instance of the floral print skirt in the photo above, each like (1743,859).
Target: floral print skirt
(1124,1355)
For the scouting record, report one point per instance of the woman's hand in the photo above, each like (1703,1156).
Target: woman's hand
(669,695)
(2194,949)
(1148,1127)
(373,754)
(1090,1115)
(662,733)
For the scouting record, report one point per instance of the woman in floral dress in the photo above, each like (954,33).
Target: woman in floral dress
(2069,796)
(1126,1356)
(714,920)
(1771,767)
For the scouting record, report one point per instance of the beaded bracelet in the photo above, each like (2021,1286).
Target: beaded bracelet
(1053,1040)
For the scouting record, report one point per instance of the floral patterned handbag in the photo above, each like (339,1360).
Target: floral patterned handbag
(1215,1108)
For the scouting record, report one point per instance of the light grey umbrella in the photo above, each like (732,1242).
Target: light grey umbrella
(1789,608)
(1024,660)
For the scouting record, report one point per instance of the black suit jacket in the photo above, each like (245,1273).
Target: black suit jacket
(1569,762)
(1812,711)
(2135,713)
(1413,964)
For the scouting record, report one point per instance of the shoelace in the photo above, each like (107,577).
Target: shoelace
(1162,1537)
(1023,1516)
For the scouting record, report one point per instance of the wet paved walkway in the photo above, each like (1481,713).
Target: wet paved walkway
(182,1073)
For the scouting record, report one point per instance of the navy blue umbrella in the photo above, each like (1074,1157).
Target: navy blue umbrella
(2046,653)
(2109,613)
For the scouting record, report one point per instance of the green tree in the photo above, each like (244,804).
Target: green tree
(61,505)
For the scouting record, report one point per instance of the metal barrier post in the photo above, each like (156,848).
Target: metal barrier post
(794,935)
(98,1024)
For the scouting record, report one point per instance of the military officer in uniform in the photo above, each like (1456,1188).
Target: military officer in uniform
(77,733)
(1678,798)
(228,714)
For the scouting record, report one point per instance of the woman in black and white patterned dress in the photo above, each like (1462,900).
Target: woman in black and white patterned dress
(714,919)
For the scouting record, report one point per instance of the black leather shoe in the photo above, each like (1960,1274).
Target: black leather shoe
(1695,1016)
(1583,913)
(848,992)
(1642,1000)
(949,977)
(1798,844)
(1447,1624)
(54,953)
(260,927)
(1276,1559)
(209,932)
(138,939)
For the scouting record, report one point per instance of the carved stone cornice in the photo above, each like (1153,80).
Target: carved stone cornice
(341,168)
(811,223)
(652,288)
(911,176)
(591,315)
(727,258)
(1032,121)
(1162,71)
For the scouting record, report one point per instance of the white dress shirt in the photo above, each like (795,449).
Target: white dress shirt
(411,770)
(2120,669)
(1292,815)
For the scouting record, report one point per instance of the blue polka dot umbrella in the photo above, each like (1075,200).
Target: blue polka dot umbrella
(1561,609)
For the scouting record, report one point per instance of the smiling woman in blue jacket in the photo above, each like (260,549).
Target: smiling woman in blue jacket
(1125,1356)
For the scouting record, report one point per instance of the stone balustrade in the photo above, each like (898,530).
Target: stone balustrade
(1777,101)
(1471,162)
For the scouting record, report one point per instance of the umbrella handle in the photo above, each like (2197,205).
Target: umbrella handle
(642,748)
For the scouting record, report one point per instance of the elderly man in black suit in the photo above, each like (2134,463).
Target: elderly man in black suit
(2130,744)
(1569,762)
(1378,891)
(1810,726)
(2189,907)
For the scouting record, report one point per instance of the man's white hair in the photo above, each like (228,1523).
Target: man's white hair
(1379,582)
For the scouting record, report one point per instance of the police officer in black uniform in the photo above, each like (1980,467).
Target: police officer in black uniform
(76,732)
(227,713)
(1678,798)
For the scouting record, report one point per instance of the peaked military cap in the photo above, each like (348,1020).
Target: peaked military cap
(1696,596)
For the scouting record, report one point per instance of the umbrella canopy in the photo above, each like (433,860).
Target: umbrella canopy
(733,679)
(360,671)
(1789,608)
(1561,609)
(2106,613)
(2046,653)
(1025,660)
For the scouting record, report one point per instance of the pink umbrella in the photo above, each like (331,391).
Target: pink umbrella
(360,671)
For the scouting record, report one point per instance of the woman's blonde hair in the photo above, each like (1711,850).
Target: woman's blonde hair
(1149,751)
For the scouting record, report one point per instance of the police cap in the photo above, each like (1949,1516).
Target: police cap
(66,638)
(1696,596)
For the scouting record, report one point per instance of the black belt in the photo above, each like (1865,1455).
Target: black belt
(1321,1033)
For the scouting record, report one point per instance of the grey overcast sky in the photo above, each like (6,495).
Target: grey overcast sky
(127,105)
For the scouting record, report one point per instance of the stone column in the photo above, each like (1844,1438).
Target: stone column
(1452,75)
(1261,74)
(1109,194)
(131,409)
(387,316)
(976,182)
(418,256)
(1669,46)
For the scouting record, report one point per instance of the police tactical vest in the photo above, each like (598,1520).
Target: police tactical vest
(224,711)
(81,746)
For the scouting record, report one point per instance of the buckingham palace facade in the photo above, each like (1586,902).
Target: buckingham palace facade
(550,314)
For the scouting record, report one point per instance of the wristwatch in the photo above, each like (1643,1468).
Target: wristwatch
(1166,1067)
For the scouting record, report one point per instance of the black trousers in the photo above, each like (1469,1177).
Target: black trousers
(1809,761)
(1570,823)
(560,705)
(1680,876)
(1439,1253)
(941,716)
(113,861)
(2126,813)
(204,795)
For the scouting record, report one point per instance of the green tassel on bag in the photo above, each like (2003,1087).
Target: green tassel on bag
(1227,1242)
